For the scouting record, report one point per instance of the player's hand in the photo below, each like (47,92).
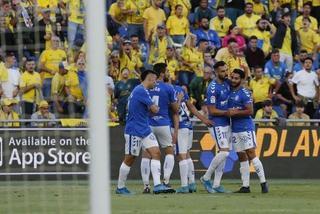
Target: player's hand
(232,112)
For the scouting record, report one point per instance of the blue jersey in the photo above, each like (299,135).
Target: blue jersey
(217,95)
(184,118)
(139,102)
(238,100)
(162,95)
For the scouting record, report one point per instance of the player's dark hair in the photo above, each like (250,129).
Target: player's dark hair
(219,64)
(240,72)
(160,68)
(145,74)
(308,58)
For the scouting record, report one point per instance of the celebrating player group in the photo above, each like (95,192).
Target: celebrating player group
(158,114)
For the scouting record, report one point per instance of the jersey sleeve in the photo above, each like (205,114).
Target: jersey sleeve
(144,97)
(246,97)
(211,94)
(172,94)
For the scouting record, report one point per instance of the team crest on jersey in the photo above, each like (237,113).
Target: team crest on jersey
(212,99)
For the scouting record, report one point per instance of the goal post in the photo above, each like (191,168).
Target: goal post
(98,132)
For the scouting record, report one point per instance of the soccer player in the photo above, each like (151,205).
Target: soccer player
(138,133)
(184,141)
(217,101)
(240,109)
(163,95)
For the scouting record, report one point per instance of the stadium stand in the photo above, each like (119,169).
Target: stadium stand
(141,33)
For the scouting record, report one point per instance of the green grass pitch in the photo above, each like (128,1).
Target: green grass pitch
(286,196)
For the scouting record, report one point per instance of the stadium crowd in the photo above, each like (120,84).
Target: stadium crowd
(275,42)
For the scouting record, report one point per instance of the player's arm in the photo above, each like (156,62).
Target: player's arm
(216,112)
(247,111)
(195,112)
(175,118)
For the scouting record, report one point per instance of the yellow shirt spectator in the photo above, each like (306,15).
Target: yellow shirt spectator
(177,26)
(235,62)
(195,60)
(158,48)
(258,8)
(116,12)
(297,116)
(52,4)
(173,67)
(76,10)
(247,24)
(51,59)
(223,54)
(308,40)
(260,88)
(138,7)
(286,45)
(3,73)
(73,85)
(57,86)
(221,26)
(298,23)
(133,63)
(261,115)
(28,79)
(11,116)
(153,17)
(185,4)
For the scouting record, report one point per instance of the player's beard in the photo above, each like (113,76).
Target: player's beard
(236,85)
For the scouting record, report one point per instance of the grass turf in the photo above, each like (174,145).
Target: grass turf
(286,196)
